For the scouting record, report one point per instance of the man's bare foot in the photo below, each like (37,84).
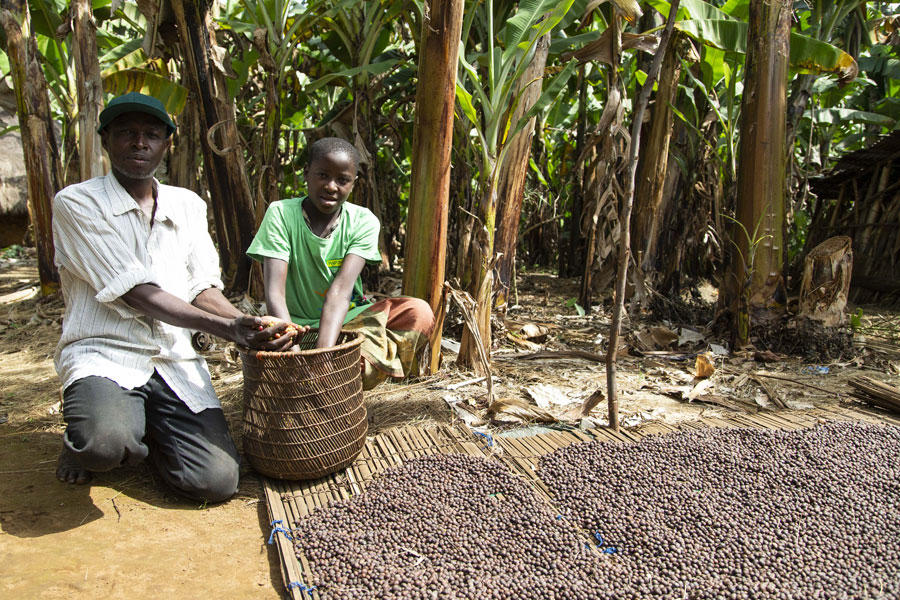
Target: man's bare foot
(69,471)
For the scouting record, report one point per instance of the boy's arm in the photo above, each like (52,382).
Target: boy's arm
(337,300)
(275,276)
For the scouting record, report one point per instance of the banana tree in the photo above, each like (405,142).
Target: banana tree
(426,244)
(716,89)
(90,88)
(511,181)
(42,163)
(488,98)
(362,49)
(756,283)
(275,29)
(224,164)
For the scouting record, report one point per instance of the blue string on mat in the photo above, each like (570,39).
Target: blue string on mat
(604,547)
(276,528)
(488,437)
(300,586)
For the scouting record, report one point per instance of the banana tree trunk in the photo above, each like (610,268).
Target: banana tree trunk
(269,171)
(571,257)
(42,162)
(429,199)
(184,157)
(512,176)
(755,285)
(270,168)
(651,176)
(591,253)
(481,259)
(365,192)
(225,171)
(90,88)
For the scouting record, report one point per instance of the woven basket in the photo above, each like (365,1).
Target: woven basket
(304,415)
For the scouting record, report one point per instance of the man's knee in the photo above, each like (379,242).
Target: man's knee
(103,446)
(215,481)
(104,424)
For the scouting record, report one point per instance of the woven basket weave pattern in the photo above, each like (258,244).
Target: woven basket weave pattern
(304,415)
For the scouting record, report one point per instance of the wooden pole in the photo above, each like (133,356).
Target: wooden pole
(625,219)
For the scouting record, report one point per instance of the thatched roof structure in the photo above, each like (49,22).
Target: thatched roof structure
(860,198)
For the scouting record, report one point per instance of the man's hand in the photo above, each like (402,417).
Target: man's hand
(265,333)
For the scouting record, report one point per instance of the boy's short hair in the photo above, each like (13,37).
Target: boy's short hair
(320,148)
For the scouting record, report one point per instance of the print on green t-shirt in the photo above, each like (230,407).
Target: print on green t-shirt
(312,261)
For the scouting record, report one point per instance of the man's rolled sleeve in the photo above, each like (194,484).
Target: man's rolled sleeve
(203,260)
(122,284)
(90,248)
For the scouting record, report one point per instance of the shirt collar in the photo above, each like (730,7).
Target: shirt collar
(327,233)
(121,201)
(164,210)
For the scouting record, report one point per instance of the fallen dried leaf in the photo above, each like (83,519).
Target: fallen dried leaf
(663,336)
(689,336)
(698,390)
(591,402)
(767,356)
(703,366)
(515,409)
(547,396)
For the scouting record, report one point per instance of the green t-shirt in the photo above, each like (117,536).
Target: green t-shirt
(313,262)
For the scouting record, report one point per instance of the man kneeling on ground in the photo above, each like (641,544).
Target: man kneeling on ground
(138,271)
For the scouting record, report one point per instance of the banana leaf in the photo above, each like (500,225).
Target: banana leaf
(465,103)
(697,10)
(832,116)
(173,95)
(127,56)
(47,15)
(739,9)
(808,55)
(374,69)
(538,15)
(561,44)
(880,65)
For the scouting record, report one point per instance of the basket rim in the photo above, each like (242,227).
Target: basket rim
(357,340)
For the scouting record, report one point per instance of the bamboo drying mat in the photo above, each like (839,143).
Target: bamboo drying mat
(288,501)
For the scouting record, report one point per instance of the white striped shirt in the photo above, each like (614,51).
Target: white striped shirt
(104,247)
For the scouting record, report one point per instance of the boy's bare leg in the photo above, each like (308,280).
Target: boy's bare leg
(69,470)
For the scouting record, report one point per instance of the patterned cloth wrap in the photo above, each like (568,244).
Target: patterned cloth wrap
(396,332)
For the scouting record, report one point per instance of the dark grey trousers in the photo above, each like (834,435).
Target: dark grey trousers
(108,426)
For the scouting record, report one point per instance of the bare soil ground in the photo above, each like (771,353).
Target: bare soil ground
(127,536)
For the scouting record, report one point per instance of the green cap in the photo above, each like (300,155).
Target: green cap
(135,102)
